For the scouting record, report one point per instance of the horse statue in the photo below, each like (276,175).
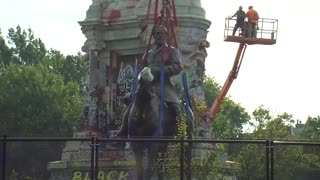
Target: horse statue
(144,123)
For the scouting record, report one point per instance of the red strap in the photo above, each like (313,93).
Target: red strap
(156,12)
(146,20)
(144,61)
(148,12)
(174,14)
(162,20)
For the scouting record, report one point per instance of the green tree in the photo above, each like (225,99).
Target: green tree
(34,102)
(291,162)
(211,90)
(39,97)
(24,49)
(250,162)
(311,130)
(267,127)
(70,67)
(5,51)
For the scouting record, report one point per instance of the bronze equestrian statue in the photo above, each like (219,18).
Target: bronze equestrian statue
(142,117)
(172,67)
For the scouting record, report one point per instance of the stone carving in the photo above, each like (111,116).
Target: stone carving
(193,46)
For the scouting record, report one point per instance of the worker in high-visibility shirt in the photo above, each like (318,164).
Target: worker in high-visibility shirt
(253,17)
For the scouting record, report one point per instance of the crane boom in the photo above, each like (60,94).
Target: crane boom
(232,76)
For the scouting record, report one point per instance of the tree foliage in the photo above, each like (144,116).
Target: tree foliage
(71,67)
(24,49)
(40,89)
(34,102)
(291,161)
(311,131)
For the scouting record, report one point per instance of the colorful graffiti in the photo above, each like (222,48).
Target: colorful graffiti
(125,79)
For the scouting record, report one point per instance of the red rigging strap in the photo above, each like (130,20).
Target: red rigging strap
(148,12)
(144,61)
(156,12)
(164,19)
(174,14)
(163,39)
(146,20)
(171,30)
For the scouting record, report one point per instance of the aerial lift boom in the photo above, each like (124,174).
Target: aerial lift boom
(232,76)
(267,35)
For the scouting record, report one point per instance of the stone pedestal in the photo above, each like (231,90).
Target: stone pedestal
(113,49)
(77,157)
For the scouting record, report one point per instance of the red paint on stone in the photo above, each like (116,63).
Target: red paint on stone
(115,14)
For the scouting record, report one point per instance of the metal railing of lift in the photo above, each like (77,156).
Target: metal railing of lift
(268,28)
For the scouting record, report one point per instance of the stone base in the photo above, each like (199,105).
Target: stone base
(81,170)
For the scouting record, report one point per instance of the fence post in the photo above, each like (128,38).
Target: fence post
(96,145)
(267,159)
(4,154)
(182,159)
(92,158)
(272,159)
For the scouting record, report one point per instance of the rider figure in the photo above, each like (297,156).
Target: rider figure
(172,67)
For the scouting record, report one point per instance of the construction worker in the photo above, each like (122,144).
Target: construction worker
(253,18)
(241,15)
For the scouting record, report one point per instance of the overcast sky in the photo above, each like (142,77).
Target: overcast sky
(283,77)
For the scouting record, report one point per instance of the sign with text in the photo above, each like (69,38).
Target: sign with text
(112,174)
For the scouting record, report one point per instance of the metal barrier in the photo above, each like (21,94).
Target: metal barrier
(96,159)
(267,28)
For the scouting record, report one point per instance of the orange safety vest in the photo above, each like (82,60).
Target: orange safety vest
(252,16)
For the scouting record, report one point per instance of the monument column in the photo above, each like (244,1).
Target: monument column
(93,117)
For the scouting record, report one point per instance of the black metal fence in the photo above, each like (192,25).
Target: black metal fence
(99,159)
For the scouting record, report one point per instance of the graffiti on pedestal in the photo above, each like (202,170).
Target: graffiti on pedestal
(124,85)
(125,79)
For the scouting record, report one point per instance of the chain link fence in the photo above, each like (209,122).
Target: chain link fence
(295,160)
(104,159)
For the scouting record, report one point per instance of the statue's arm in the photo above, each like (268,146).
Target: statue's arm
(172,68)
(175,67)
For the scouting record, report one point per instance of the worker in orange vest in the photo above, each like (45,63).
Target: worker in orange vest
(253,18)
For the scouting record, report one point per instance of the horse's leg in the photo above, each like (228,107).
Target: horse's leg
(138,154)
(153,150)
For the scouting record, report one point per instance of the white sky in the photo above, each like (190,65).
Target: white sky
(283,77)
